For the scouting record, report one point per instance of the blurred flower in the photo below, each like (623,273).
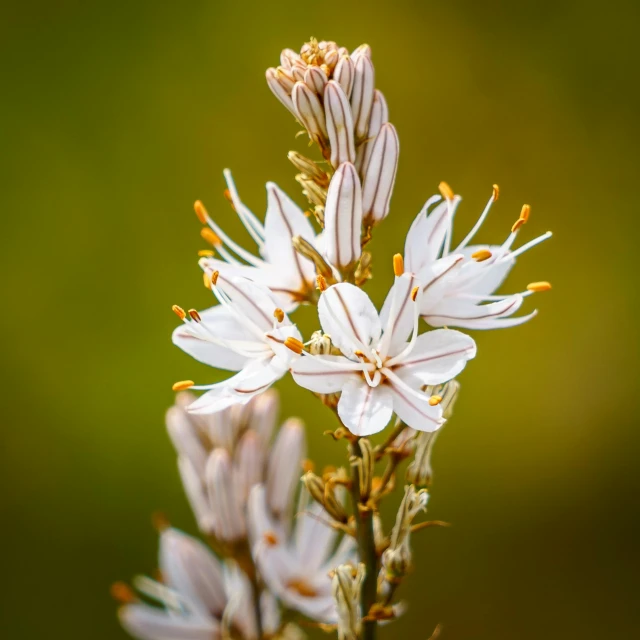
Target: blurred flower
(222,456)
(296,566)
(200,598)
(456,283)
(246,332)
(380,372)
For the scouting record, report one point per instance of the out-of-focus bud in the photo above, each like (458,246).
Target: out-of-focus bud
(380,175)
(310,113)
(343,217)
(320,344)
(379,115)
(197,495)
(339,124)
(344,74)
(183,432)
(347,587)
(307,166)
(190,569)
(306,249)
(264,413)
(362,95)
(397,558)
(250,462)
(420,471)
(316,79)
(224,498)
(281,86)
(283,472)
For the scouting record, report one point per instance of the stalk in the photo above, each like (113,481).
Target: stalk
(366,549)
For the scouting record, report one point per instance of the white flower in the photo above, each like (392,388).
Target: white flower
(290,276)
(458,284)
(244,333)
(380,372)
(296,566)
(200,598)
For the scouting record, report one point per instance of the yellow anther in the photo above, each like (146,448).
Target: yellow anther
(214,277)
(308,465)
(398,265)
(525,213)
(270,538)
(481,255)
(179,311)
(414,293)
(278,314)
(294,344)
(227,195)
(322,283)
(517,224)
(160,521)
(207,280)
(210,236)
(358,353)
(195,315)
(182,385)
(303,588)
(435,400)
(201,212)
(446,191)
(206,253)
(123,593)
(496,192)
(539,286)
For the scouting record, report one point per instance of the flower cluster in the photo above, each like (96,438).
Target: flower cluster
(372,368)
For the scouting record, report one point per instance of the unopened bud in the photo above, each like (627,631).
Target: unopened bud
(344,74)
(347,587)
(362,95)
(379,116)
(306,249)
(316,194)
(308,167)
(320,344)
(339,124)
(310,113)
(315,78)
(278,83)
(365,464)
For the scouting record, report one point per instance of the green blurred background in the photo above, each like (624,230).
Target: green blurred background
(117,116)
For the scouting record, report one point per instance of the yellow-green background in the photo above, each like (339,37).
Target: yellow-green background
(116,116)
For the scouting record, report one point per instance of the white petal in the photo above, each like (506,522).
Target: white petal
(380,175)
(149,623)
(193,571)
(491,275)
(226,327)
(321,375)
(240,608)
(314,538)
(347,314)
(413,408)
(343,217)
(459,312)
(437,356)
(276,339)
(284,221)
(398,314)
(365,410)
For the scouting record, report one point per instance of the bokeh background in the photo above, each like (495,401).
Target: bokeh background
(116,116)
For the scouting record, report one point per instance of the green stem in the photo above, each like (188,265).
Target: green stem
(366,549)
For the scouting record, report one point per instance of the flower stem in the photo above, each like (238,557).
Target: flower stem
(366,548)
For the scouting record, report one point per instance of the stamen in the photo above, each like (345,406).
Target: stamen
(195,315)
(207,280)
(123,593)
(182,385)
(249,220)
(398,265)
(227,194)
(446,191)
(496,192)
(308,465)
(517,224)
(201,212)
(526,247)
(525,213)
(359,353)
(481,255)
(414,293)
(294,345)
(210,236)
(206,253)
(179,311)
(435,400)
(214,277)
(278,314)
(481,219)
(539,286)
(160,521)
(322,283)
(270,538)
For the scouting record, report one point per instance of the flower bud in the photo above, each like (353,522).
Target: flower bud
(343,217)
(250,463)
(310,113)
(362,95)
(379,116)
(316,79)
(320,344)
(344,74)
(380,175)
(197,496)
(339,124)
(347,587)
(279,84)
(224,498)
(308,167)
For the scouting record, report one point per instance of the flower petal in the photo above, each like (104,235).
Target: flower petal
(314,538)
(398,314)
(349,317)
(150,623)
(343,217)
(363,409)
(321,375)
(413,408)
(457,312)
(225,326)
(437,356)
(490,274)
